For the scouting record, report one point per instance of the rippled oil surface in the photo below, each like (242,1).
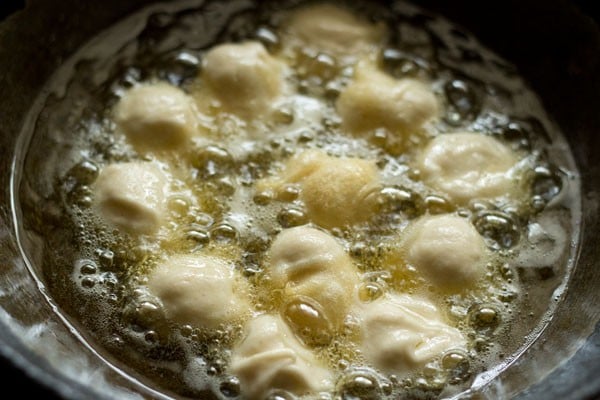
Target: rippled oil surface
(92,272)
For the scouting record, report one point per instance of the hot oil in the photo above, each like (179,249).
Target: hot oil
(96,274)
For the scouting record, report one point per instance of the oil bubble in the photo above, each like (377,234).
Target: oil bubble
(438,205)
(106,258)
(547,182)
(85,172)
(457,365)
(370,291)
(308,321)
(395,199)
(402,65)
(87,267)
(230,387)
(263,198)
(267,37)
(179,205)
(360,384)
(291,216)
(499,229)
(484,317)
(463,101)
(224,233)
(289,192)
(518,135)
(278,394)
(213,161)
(88,282)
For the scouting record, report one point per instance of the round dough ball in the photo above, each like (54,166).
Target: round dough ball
(401,333)
(306,262)
(468,166)
(333,30)
(244,77)
(374,100)
(156,117)
(336,191)
(200,291)
(270,357)
(132,196)
(447,250)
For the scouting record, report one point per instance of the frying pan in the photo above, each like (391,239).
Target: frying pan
(554,45)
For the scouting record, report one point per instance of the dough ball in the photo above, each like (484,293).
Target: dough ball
(244,77)
(156,117)
(374,100)
(306,262)
(132,196)
(447,250)
(468,166)
(336,191)
(270,357)
(201,291)
(401,333)
(333,30)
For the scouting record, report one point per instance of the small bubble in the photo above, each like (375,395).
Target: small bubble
(279,394)
(547,183)
(481,345)
(370,291)
(88,282)
(507,295)
(267,37)
(291,216)
(186,331)
(333,89)
(218,365)
(289,192)
(184,66)
(149,312)
(225,186)
(263,198)
(85,173)
(462,100)
(224,233)
(343,364)
(230,387)
(401,65)
(397,199)
(88,267)
(379,137)
(106,258)
(325,66)
(151,337)
(484,317)
(112,298)
(387,388)
(212,162)
(515,133)
(457,365)
(179,205)
(498,228)
(203,221)
(438,205)
(284,115)
(308,321)
(306,136)
(82,196)
(360,385)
